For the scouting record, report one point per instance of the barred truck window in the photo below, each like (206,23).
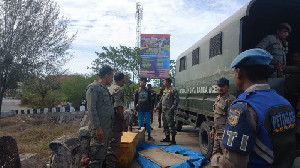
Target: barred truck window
(195,56)
(215,46)
(182,64)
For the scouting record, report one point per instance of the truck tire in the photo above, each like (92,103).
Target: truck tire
(205,143)
(178,125)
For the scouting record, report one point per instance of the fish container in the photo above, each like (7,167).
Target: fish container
(127,150)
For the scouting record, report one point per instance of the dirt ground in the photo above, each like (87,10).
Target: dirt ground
(34,135)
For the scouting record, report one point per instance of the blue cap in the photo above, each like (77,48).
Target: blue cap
(254,56)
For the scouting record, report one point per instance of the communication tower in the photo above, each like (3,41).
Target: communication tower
(139,17)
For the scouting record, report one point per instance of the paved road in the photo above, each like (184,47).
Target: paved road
(8,105)
(11,104)
(188,137)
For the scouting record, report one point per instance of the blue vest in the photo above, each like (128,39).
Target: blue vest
(276,120)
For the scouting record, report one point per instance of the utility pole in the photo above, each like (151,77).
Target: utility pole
(139,17)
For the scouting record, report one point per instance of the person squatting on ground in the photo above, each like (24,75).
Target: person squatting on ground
(119,124)
(260,128)
(220,107)
(101,113)
(168,103)
(142,105)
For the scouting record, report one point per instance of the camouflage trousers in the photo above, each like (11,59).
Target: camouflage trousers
(217,143)
(98,149)
(159,116)
(113,147)
(169,122)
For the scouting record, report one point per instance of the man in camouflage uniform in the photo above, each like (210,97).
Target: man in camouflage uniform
(159,96)
(220,107)
(101,113)
(119,123)
(153,101)
(277,46)
(168,103)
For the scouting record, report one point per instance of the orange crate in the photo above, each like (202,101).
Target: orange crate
(127,150)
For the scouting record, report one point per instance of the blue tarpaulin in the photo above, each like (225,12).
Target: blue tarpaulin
(196,158)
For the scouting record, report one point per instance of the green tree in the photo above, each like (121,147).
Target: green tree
(33,40)
(129,89)
(41,92)
(74,88)
(122,58)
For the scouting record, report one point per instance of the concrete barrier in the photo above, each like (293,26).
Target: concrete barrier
(48,110)
(82,108)
(53,110)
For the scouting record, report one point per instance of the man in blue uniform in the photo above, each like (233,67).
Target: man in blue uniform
(260,128)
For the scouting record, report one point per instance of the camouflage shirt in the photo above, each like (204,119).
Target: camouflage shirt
(100,106)
(170,99)
(276,47)
(220,111)
(118,94)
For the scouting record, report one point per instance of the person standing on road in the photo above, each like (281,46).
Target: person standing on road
(260,127)
(119,124)
(142,106)
(101,113)
(168,103)
(153,101)
(220,107)
(277,46)
(159,111)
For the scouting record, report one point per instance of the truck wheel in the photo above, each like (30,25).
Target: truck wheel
(206,144)
(178,125)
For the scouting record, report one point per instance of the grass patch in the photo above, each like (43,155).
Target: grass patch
(34,135)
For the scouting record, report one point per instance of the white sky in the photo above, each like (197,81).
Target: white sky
(112,22)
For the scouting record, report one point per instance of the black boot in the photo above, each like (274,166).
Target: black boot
(173,142)
(167,139)
(150,138)
(159,125)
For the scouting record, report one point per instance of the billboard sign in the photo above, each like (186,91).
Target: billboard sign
(155,56)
